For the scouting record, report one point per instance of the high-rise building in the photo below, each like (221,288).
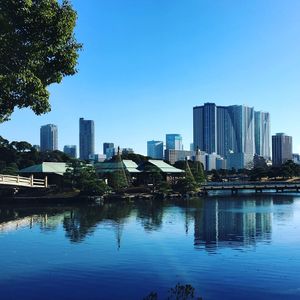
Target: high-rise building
(262,134)
(110,152)
(49,137)
(107,146)
(282,148)
(37,147)
(172,155)
(241,120)
(205,127)
(71,150)
(173,142)
(155,149)
(296,158)
(225,130)
(86,138)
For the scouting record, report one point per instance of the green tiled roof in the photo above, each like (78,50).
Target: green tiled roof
(109,167)
(47,167)
(164,167)
(131,166)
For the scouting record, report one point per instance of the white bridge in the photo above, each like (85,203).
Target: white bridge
(19,181)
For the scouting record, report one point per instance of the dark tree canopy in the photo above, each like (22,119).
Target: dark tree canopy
(37,48)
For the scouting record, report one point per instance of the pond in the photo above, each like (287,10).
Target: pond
(226,247)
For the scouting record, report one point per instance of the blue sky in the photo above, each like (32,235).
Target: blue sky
(146,63)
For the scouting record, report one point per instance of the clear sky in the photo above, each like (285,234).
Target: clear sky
(146,63)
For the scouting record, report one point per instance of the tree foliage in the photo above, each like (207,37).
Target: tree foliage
(37,48)
(196,167)
(18,155)
(83,177)
(120,178)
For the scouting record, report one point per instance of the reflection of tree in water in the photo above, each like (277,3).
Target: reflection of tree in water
(189,207)
(82,221)
(150,214)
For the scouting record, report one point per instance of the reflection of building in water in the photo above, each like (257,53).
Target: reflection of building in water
(234,224)
(17,221)
(284,209)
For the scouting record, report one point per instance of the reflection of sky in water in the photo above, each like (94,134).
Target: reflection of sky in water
(225,248)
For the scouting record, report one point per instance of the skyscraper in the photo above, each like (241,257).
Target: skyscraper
(86,139)
(205,127)
(155,149)
(262,134)
(241,120)
(49,137)
(107,146)
(71,150)
(173,141)
(282,148)
(228,131)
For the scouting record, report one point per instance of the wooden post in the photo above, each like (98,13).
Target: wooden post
(46,181)
(18,179)
(31,180)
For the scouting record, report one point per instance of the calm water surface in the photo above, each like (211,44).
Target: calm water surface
(242,247)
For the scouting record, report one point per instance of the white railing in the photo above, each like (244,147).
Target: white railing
(23,181)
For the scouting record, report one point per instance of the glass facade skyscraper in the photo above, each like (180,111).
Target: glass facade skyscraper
(71,150)
(155,149)
(282,148)
(262,134)
(86,139)
(231,130)
(173,142)
(49,137)
(205,127)
(107,146)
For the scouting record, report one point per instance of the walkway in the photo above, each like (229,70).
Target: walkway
(234,187)
(17,181)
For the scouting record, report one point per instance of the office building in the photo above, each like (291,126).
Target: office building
(228,130)
(107,146)
(86,138)
(172,155)
(241,120)
(262,134)
(110,152)
(49,137)
(97,158)
(155,149)
(173,142)
(205,127)
(71,150)
(282,148)
(37,147)
(296,158)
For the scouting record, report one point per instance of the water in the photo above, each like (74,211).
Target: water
(245,247)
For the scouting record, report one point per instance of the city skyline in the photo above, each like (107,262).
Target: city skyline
(259,117)
(154,61)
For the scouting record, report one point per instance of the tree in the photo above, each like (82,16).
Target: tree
(216,176)
(257,173)
(196,168)
(37,48)
(198,172)
(84,177)
(188,183)
(10,169)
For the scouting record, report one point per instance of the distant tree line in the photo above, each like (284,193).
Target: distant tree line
(15,156)
(286,171)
